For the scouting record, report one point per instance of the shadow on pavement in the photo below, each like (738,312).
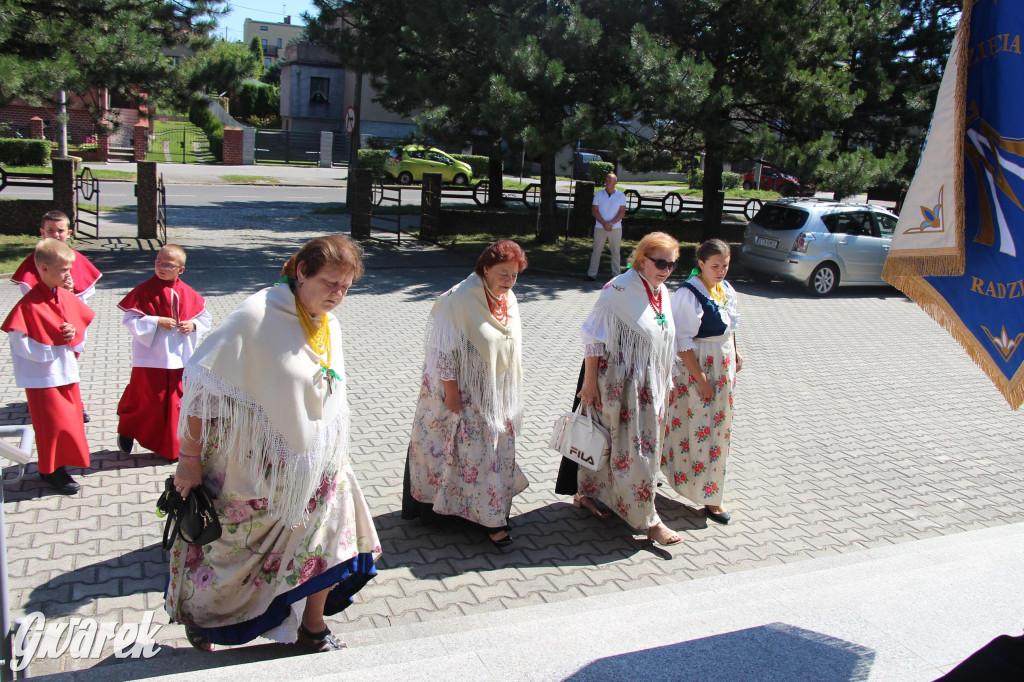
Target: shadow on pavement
(771,652)
(139,571)
(791,290)
(555,535)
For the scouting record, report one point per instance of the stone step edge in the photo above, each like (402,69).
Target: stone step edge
(422,642)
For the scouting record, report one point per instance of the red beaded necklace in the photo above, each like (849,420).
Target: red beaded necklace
(655,303)
(498,307)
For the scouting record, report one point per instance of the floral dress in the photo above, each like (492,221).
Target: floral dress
(252,579)
(634,362)
(275,461)
(698,432)
(464,464)
(459,463)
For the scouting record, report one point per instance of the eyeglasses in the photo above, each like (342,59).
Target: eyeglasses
(663,264)
(164,265)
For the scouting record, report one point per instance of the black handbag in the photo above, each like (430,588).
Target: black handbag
(192,517)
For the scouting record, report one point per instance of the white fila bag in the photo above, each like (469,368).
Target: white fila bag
(579,437)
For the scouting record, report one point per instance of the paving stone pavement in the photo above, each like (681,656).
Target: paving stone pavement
(860,424)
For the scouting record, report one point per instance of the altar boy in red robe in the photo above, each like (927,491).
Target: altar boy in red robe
(46,330)
(83,276)
(166,318)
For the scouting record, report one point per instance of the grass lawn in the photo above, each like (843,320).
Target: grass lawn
(250,179)
(98,173)
(167,146)
(13,249)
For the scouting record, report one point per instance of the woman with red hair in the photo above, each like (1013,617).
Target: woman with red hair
(462,454)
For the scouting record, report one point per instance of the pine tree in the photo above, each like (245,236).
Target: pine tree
(76,45)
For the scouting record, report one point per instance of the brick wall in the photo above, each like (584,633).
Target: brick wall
(80,125)
(21,216)
(232,147)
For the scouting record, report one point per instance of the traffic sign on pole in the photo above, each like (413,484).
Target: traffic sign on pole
(350,119)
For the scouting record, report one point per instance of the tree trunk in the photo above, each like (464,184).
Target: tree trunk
(548,219)
(712,195)
(494,195)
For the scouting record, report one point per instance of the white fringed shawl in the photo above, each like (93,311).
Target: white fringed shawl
(486,356)
(624,321)
(254,381)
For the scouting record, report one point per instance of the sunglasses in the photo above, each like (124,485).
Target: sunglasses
(663,264)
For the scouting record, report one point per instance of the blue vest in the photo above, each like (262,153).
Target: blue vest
(711,322)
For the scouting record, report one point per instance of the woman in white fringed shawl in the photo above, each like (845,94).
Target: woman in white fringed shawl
(264,428)
(627,370)
(462,453)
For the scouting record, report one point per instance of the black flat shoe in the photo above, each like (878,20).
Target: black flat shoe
(501,543)
(125,444)
(722,518)
(61,481)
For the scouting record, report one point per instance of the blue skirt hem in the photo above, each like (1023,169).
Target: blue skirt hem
(348,578)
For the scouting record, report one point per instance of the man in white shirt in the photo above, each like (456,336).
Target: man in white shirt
(608,209)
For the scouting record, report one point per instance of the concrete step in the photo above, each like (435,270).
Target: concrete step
(896,613)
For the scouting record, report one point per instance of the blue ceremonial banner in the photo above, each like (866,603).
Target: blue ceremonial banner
(955,251)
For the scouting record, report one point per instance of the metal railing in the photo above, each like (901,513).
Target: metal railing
(386,195)
(161,210)
(87,189)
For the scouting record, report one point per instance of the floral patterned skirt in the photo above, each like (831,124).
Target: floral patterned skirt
(630,413)
(697,434)
(254,579)
(459,464)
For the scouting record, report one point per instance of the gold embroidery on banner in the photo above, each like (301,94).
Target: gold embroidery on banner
(932,218)
(986,138)
(1003,343)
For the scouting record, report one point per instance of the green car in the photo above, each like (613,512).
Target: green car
(408,164)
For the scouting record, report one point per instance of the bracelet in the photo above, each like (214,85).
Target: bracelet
(181,456)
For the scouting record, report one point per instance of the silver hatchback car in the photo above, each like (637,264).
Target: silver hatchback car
(818,242)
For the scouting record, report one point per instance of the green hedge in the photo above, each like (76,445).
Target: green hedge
(695,179)
(200,116)
(599,170)
(258,100)
(373,159)
(479,164)
(18,152)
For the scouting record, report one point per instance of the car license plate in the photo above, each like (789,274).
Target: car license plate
(766,242)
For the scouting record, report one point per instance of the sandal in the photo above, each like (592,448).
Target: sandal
(666,540)
(588,503)
(197,639)
(318,641)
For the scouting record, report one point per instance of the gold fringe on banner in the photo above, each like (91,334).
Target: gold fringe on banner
(922,264)
(936,307)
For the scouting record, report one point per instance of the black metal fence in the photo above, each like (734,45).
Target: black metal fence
(87,204)
(161,210)
(286,146)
